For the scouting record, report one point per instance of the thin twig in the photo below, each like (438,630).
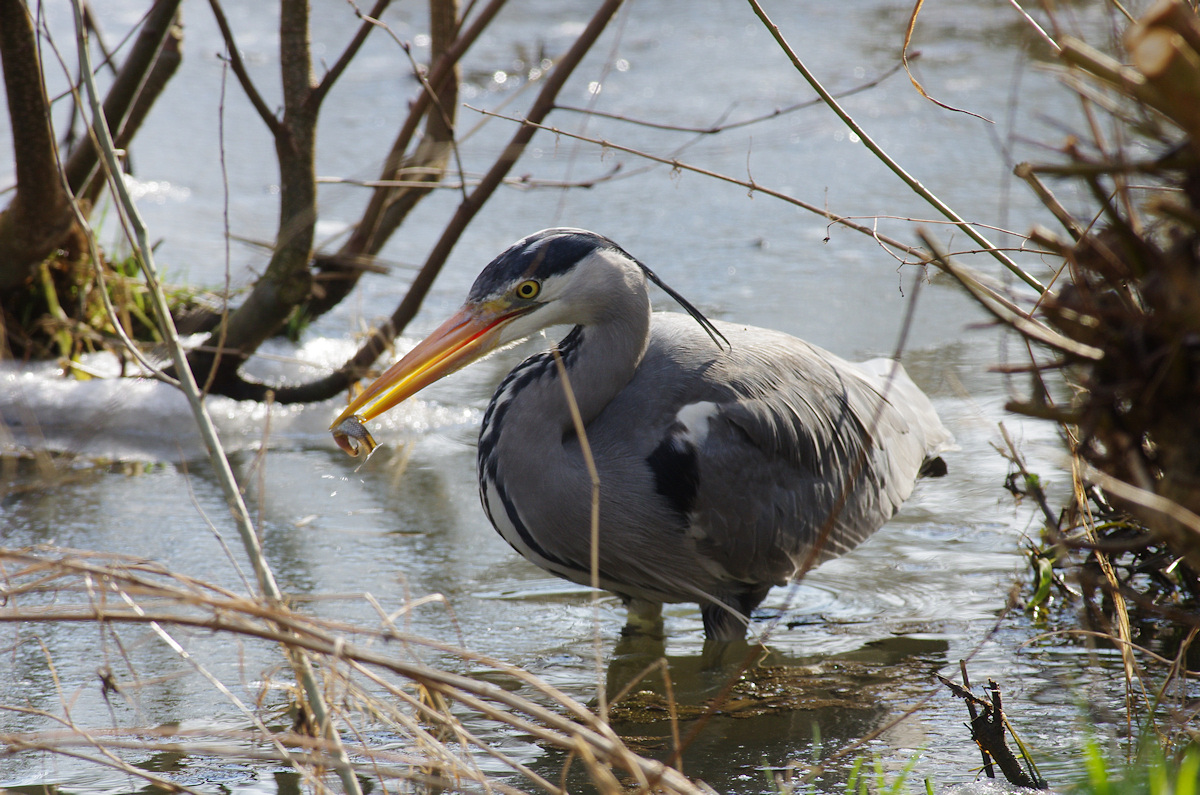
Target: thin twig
(1033,23)
(721,126)
(679,165)
(887,160)
(1003,309)
(368,24)
(239,68)
(585,448)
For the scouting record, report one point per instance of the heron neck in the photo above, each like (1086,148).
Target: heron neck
(534,478)
(599,359)
(531,404)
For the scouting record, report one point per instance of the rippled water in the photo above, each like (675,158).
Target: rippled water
(854,645)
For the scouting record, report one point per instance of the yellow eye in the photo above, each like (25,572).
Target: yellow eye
(528,289)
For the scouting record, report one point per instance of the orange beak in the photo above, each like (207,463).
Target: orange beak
(471,333)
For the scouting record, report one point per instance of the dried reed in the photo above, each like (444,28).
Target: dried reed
(383,691)
(1123,326)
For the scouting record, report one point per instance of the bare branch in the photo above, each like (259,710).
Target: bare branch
(895,167)
(380,338)
(492,180)
(339,66)
(443,68)
(239,69)
(126,90)
(680,165)
(390,205)
(39,215)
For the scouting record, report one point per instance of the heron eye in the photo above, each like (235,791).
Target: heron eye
(528,289)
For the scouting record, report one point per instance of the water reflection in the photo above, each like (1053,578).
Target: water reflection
(744,710)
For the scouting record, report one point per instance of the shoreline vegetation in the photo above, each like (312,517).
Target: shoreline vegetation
(1114,364)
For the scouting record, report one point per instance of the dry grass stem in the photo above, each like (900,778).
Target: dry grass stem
(380,688)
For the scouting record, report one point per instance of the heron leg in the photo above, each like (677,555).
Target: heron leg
(726,619)
(643,617)
(723,622)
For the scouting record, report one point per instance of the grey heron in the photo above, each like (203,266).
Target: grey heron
(729,458)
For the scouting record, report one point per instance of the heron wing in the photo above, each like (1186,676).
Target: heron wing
(791,455)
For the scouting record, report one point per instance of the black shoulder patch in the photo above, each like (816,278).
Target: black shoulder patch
(933,468)
(676,473)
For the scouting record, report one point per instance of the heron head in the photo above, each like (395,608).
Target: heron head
(576,275)
(563,276)
(536,283)
(552,277)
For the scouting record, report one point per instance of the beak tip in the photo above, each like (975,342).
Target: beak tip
(464,337)
(353,437)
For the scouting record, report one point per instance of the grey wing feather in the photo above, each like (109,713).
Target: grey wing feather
(825,452)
